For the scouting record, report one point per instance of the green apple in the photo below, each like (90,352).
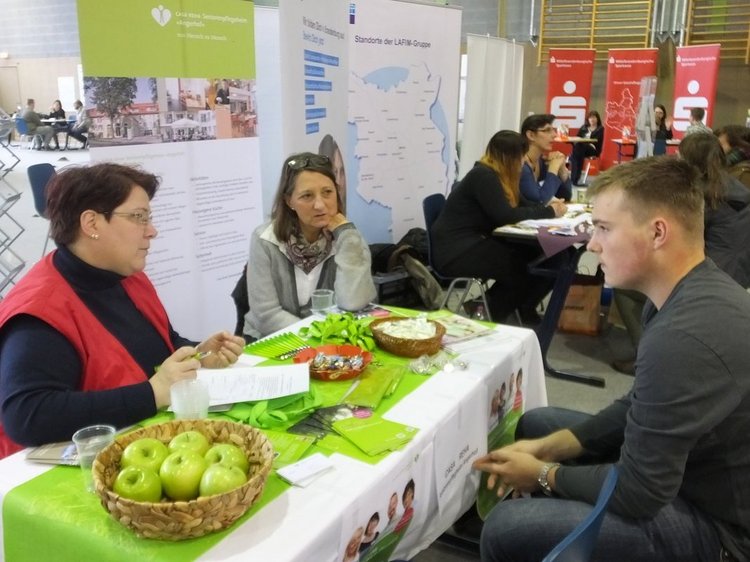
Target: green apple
(192,440)
(228,455)
(147,452)
(181,474)
(220,478)
(138,483)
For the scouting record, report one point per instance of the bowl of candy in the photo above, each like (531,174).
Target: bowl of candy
(334,362)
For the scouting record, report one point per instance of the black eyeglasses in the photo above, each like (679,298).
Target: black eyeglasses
(307,161)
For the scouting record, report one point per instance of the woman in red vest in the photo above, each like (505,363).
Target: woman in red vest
(83,332)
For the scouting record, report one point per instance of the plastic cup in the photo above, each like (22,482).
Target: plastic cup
(89,441)
(189,399)
(322,300)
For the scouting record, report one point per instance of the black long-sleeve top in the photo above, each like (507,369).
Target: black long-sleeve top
(40,370)
(474,209)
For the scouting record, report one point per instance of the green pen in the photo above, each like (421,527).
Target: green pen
(200,355)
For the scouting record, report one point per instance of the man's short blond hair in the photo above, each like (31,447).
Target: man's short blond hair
(659,184)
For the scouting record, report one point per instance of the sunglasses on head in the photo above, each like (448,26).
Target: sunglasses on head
(307,161)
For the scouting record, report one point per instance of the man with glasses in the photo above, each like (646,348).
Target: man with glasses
(544,174)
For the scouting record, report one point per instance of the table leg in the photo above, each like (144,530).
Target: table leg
(547,328)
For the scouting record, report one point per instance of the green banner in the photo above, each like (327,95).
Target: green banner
(178,38)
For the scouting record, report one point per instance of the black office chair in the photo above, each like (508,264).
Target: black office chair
(39,177)
(432,205)
(580,543)
(241,302)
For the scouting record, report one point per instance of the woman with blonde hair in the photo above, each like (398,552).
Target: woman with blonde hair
(486,198)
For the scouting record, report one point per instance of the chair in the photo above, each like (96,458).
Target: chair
(590,169)
(39,177)
(241,302)
(23,130)
(580,543)
(432,205)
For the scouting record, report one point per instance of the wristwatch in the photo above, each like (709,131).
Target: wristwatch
(542,478)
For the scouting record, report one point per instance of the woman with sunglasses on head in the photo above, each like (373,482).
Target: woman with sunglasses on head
(308,244)
(84,338)
(544,174)
(462,236)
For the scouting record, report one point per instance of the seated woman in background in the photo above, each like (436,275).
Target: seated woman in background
(83,333)
(592,129)
(726,228)
(308,244)
(544,174)
(663,130)
(735,140)
(486,198)
(727,211)
(57,112)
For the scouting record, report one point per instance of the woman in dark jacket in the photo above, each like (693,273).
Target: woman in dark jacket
(486,198)
(663,129)
(592,129)
(727,212)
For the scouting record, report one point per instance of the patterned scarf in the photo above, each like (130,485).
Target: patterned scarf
(307,255)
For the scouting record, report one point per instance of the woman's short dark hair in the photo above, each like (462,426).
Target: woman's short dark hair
(285,220)
(100,187)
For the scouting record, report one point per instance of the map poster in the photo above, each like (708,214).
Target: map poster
(177,98)
(569,78)
(624,72)
(314,89)
(404,65)
(695,78)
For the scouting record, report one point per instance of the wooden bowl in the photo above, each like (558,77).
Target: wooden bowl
(178,520)
(406,347)
(307,355)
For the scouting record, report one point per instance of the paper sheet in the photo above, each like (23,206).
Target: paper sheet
(247,384)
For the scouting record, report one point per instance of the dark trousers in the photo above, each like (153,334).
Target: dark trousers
(507,264)
(528,528)
(581,151)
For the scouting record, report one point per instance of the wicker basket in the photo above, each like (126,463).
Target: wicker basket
(407,347)
(185,519)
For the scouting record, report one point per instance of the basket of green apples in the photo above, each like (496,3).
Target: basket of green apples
(184,478)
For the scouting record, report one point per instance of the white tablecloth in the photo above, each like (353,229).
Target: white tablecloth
(452,412)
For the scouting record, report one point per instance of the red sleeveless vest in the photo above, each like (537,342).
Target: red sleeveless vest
(44,293)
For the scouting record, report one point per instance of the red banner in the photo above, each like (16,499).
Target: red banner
(569,85)
(695,78)
(624,72)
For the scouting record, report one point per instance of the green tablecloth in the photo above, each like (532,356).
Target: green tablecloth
(51,518)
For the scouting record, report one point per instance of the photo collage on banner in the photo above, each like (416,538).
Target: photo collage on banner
(314,56)
(404,73)
(376,529)
(695,81)
(171,87)
(570,73)
(625,69)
